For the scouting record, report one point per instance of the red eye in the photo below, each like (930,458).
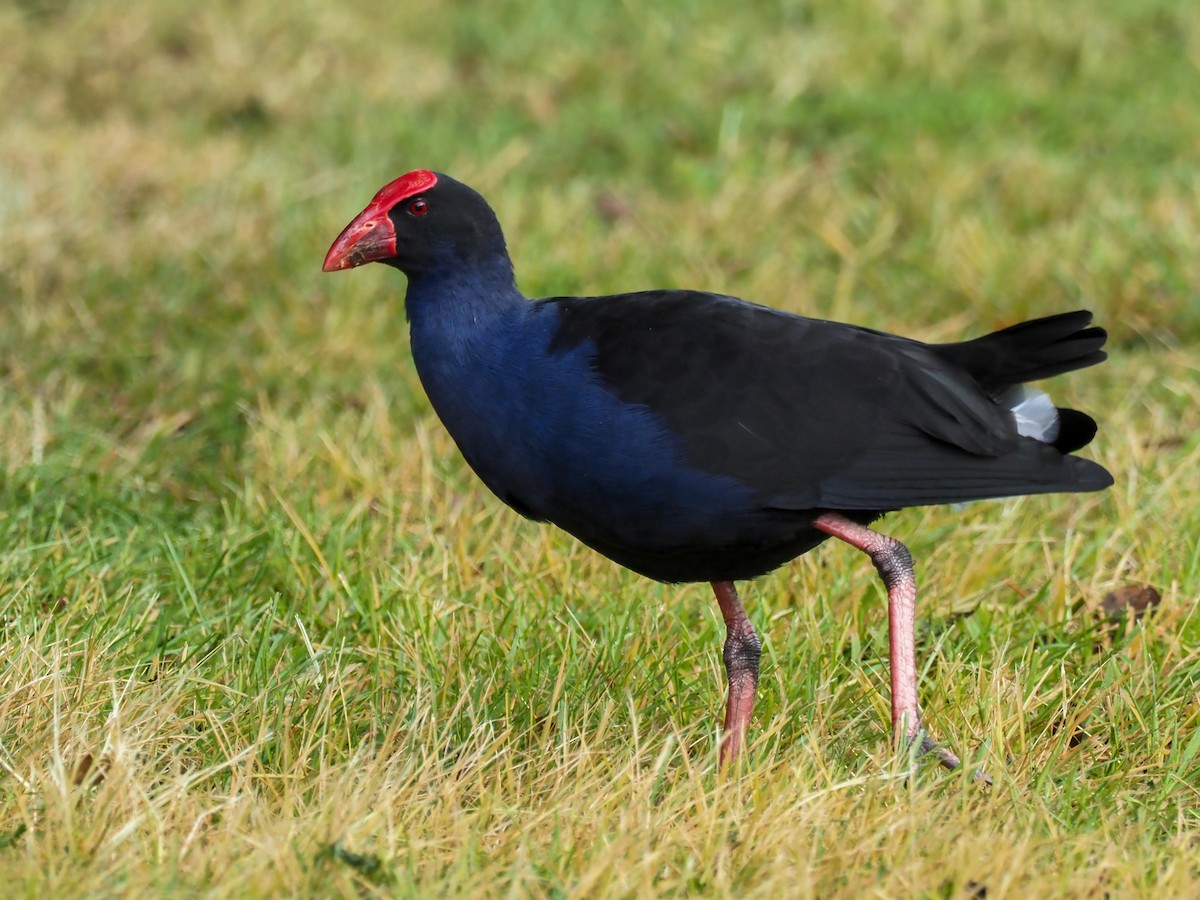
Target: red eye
(418,207)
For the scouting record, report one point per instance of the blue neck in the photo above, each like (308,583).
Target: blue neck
(466,326)
(457,297)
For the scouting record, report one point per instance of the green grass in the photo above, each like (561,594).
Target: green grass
(264,634)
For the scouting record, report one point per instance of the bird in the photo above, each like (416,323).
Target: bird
(697,437)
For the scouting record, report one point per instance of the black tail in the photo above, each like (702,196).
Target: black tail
(1033,350)
(1075,430)
(1030,351)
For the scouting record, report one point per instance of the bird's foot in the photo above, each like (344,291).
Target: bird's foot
(917,742)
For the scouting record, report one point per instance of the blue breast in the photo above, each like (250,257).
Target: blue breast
(550,439)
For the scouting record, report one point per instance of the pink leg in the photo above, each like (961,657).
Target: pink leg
(742,652)
(895,566)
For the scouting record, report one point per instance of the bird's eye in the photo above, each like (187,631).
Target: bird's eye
(418,207)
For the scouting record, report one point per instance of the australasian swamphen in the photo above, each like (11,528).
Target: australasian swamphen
(697,437)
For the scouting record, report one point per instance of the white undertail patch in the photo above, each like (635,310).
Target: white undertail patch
(1033,412)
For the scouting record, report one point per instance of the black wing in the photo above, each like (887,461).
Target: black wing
(813,414)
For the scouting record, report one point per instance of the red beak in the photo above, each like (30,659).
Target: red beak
(368,238)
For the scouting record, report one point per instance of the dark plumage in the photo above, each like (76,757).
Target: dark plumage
(696,437)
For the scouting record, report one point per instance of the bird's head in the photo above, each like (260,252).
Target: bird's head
(419,222)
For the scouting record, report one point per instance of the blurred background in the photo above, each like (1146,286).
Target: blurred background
(170,176)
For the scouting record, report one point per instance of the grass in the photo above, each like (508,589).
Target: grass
(265,634)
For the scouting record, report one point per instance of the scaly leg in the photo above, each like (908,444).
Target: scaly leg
(742,652)
(895,566)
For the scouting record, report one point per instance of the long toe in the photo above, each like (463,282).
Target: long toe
(927,745)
